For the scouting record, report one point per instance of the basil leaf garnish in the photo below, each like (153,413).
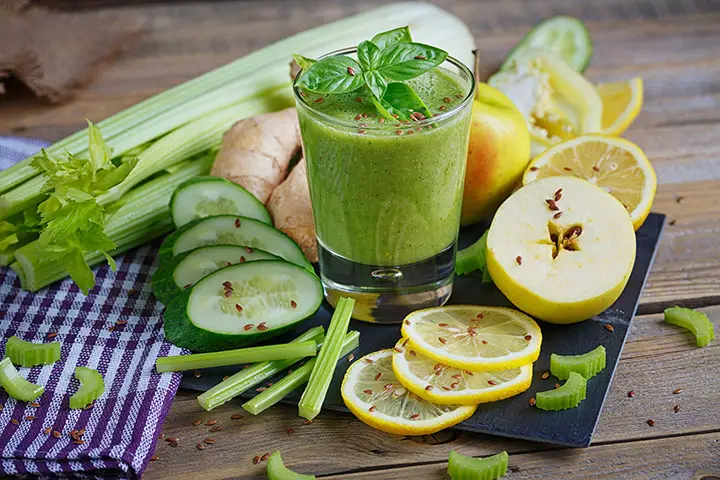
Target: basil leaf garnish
(376,83)
(368,55)
(407,60)
(337,74)
(304,62)
(391,37)
(403,101)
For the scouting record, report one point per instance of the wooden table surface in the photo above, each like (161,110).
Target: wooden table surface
(675,46)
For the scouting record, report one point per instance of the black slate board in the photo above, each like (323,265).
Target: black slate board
(512,417)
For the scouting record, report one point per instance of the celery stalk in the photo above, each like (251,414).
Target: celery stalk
(92,386)
(29,354)
(294,380)
(326,362)
(282,351)
(253,375)
(15,385)
(141,215)
(26,195)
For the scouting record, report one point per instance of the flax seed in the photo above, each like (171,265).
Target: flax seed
(398,349)
(557,215)
(238,308)
(531,401)
(468,372)
(265,456)
(256,459)
(558,194)
(351,357)
(388,386)
(172,439)
(442,340)
(454,384)
(552,205)
(210,423)
(197,374)
(518,260)
(484,342)
(56,434)
(290,430)
(248,326)
(377,377)
(447,99)
(200,446)
(236,416)
(676,408)
(121,322)
(492,382)
(368,360)
(248,250)
(609,327)
(528,337)
(631,394)
(79,442)
(307,422)
(447,389)
(407,322)
(209,440)
(677,390)
(567,169)
(261,389)
(187,285)
(197,422)
(412,353)
(154,458)
(111,329)
(30,418)
(372,408)
(228,293)
(398,132)
(557,385)
(596,168)
(420,57)
(534,169)
(414,416)
(52,335)
(14,421)
(243,259)
(216,428)
(651,422)
(351,71)
(237,223)
(429,388)
(358,99)
(319,100)
(262,327)
(368,391)
(545,375)
(47,431)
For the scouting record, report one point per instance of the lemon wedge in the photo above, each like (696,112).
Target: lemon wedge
(375,396)
(621,102)
(614,164)
(474,338)
(439,383)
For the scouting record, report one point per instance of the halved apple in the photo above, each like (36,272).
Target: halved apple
(561,249)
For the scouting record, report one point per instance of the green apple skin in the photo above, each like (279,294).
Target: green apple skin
(498,154)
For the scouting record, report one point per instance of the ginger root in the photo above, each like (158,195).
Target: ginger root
(256,152)
(291,210)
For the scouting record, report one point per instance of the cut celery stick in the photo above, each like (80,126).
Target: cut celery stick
(276,470)
(697,322)
(253,375)
(297,378)
(15,385)
(92,386)
(142,214)
(317,387)
(461,467)
(283,351)
(28,354)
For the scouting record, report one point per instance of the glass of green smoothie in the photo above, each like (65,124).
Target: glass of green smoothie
(386,164)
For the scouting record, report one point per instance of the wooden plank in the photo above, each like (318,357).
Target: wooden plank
(658,359)
(696,457)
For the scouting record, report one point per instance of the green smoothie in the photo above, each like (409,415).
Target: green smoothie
(387,193)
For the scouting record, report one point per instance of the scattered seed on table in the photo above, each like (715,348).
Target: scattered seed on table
(154,458)
(47,431)
(209,440)
(79,442)
(52,335)
(121,322)
(196,374)
(677,390)
(631,394)
(307,422)
(197,422)
(676,408)
(171,439)
(351,357)
(217,428)
(557,385)
(531,401)
(161,436)
(609,327)
(14,421)
(265,456)
(290,430)
(545,375)
(32,404)
(30,418)
(256,459)
(173,444)
(226,377)
(651,422)
(210,423)
(200,446)
(56,434)
(261,389)
(236,416)
(111,329)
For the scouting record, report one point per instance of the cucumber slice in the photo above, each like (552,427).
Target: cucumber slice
(276,470)
(566,37)
(184,270)
(461,467)
(202,197)
(232,230)
(588,364)
(567,396)
(241,305)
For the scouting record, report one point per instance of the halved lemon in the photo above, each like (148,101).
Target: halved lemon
(474,338)
(622,102)
(439,383)
(614,164)
(374,395)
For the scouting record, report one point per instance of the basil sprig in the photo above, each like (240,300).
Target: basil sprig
(383,64)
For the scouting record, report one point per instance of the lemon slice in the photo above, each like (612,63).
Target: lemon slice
(442,384)
(614,164)
(474,338)
(622,102)
(374,395)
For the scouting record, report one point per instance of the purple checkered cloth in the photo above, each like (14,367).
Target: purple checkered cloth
(116,329)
